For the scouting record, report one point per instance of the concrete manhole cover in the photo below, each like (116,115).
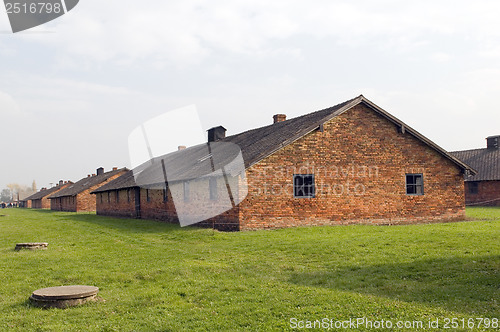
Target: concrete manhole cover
(64,296)
(31,245)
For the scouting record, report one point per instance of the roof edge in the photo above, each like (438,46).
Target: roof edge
(418,135)
(362,99)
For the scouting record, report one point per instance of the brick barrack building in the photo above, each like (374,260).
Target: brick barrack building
(40,199)
(484,187)
(349,164)
(76,197)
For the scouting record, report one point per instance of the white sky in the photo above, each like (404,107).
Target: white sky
(71,91)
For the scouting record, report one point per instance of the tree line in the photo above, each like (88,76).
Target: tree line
(15,191)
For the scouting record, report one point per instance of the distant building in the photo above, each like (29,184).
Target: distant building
(76,197)
(484,187)
(351,163)
(40,199)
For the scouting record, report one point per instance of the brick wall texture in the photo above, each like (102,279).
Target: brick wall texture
(359,161)
(488,193)
(82,202)
(44,202)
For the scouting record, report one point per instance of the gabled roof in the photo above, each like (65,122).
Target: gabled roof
(46,192)
(485,161)
(259,143)
(123,182)
(86,183)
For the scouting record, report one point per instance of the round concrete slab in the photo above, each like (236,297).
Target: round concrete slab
(64,296)
(32,245)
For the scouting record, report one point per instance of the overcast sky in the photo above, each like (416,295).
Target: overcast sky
(72,90)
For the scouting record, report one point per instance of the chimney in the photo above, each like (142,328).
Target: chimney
(493,142)
(65,182)
(181,147)
(216,133)
(88,175)
(115,168)
(100,171)
(61,182)
(279,118)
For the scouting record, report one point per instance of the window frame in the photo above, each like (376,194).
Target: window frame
(473,187)
(303,186)
(415,185)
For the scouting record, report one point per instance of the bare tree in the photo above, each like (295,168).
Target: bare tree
(20,191)
(6,196)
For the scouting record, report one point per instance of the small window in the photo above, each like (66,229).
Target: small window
(100,195)
(117,196)
(414,184)
(186,191)
(109,197)
(473,188)
(148,198)
(303,185)
(212,183)
(128,195)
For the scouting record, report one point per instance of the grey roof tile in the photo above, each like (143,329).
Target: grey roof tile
(485,161)
(85,183)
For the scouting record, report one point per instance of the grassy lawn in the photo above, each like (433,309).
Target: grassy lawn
(160,277)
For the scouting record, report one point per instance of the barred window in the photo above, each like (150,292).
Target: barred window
(414,184)
(303,185)
(473,187)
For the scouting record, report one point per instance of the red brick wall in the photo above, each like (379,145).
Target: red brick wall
(66,203)
(107,204)
(37,203)
(359,160)
(45,202)
(488,194)
(83,202)
(156,207)
(373,191)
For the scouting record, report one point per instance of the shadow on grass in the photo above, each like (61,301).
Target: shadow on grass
(466,285)
(130,225)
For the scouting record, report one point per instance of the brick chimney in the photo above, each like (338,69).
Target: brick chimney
(99,171)
(493,142)
(216,133)
(115,168)
(279,118)
(181,147)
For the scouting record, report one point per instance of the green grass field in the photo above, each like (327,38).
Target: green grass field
(159,277)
